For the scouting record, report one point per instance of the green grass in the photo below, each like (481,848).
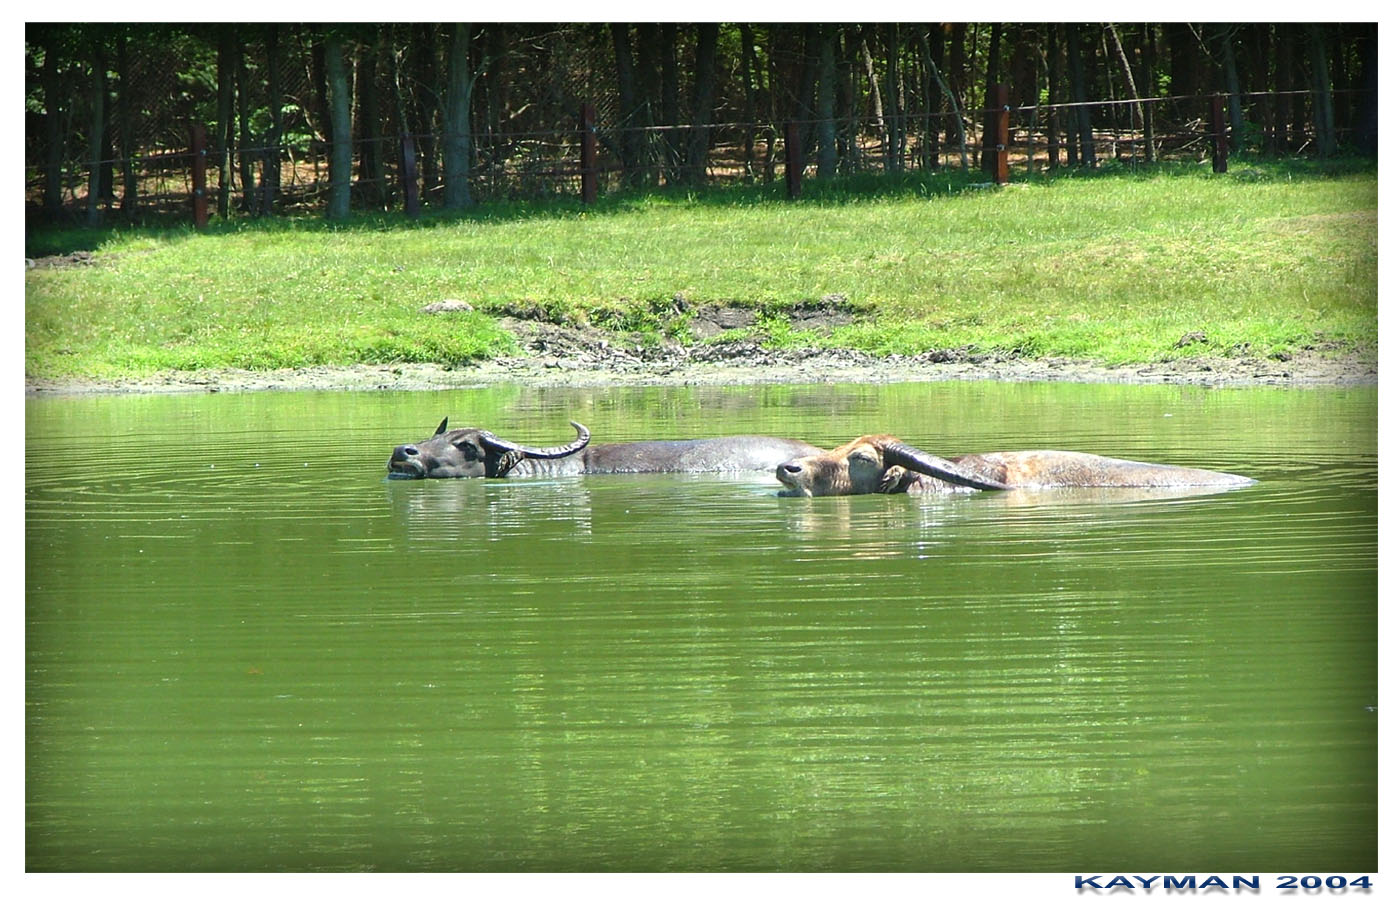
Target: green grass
(1113,267)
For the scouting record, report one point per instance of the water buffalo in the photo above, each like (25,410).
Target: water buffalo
(879,463)
(476,453)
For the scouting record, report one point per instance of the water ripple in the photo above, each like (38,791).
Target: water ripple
(247,649)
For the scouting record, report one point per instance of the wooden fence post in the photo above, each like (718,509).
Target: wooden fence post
(1001,119)
(408,174)
(792,158)
(1217,123)
(199,174)
(588,155)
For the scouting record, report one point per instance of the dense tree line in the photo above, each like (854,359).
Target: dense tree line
(495,108)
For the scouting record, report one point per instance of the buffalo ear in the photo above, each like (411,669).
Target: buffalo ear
(442,426)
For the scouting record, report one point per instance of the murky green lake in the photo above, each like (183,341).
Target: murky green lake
(247,649)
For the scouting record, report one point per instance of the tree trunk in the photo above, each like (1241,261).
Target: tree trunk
(670,100)
(1053,94)
(402,111)
(1084,126)
(319,115)
(1183,59)
(497,97)
(1285,79)
(125,118)
(1225,35)
(1261,69)
(894,118)
(957,81)
(53,129)
(770,146)
(805,108)
(826,102)
(952,102)
(1114,113)
(931,46)
(843,107)
(702,107)
(1340,67)
(367,80)
(1367,131)
(1323,121)
(869,64)
(1128,79)
(272,143)
(749,71)
(338,99)
(988,158)
(1298,125)
(97,130)
(1149,121)
(1268,73)
(425,67)
(648,76)
(630,112)
(1025,70)
(1025,86)
(245,137)
(226,126)
(403,145)
(850,100)
(456,144)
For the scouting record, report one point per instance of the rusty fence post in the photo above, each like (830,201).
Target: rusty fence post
(1221,155)
(199,150)
(409,177)
(792,159)
(588,155)
(1001,121)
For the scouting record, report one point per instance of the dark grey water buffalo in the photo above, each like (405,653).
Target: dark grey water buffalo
(880,463)
(476,453)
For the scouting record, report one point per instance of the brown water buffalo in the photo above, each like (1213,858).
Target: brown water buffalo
(477,453)
(880,463)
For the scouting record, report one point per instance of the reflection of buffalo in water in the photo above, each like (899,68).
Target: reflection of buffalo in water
(476,453)
(883,464)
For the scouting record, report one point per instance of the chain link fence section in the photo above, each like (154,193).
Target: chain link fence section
(260,92)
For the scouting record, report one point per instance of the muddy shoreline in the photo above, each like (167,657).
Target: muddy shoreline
(736,364)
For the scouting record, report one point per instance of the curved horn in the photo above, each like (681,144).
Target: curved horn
(506,446)
(900,453)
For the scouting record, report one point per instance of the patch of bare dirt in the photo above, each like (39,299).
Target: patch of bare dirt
(77,258)
(729,350)
(583,357)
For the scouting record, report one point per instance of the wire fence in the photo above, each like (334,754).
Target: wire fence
(248,177)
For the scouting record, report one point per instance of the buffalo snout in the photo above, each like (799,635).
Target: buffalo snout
(405,463)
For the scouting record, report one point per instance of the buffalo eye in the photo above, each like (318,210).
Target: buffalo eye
(468,449)
(864,459)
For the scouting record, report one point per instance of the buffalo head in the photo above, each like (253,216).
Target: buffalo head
(875,463)
(471,453)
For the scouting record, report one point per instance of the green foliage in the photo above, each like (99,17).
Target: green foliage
(1117,267)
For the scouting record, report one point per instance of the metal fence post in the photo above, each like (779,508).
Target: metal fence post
(199,174)
(1222,144)
(588,155)
(1001,118)
(409,175)
(792,158)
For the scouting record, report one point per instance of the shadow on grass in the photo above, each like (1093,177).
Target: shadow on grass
(62,240)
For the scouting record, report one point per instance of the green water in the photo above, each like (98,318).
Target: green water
(247,649)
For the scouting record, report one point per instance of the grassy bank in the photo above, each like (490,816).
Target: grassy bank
(1114,268)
